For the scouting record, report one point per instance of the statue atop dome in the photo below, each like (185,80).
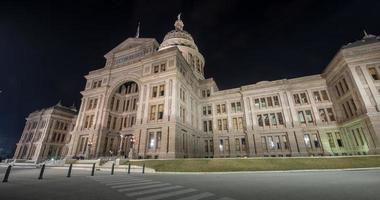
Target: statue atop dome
(179,23)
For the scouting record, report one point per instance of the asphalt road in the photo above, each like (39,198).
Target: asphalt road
(23,184)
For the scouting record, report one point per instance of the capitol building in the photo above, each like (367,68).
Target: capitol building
(152,101)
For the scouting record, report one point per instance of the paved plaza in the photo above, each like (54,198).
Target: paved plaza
(23,184)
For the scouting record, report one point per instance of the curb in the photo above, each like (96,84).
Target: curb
(278,171)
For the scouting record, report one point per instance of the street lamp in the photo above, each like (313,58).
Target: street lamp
(121,144)
(131,153)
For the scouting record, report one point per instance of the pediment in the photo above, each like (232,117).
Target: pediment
(132,43)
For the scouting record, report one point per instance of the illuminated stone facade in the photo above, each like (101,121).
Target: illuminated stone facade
(156,95)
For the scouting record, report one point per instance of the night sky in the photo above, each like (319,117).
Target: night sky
(47,47)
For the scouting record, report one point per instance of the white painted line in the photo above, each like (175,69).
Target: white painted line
(169,194)
(129,186)
(198,196)
(125,182)
(145,187)
(153,190)
(116,180)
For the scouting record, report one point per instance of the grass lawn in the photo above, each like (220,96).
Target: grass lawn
(259,164)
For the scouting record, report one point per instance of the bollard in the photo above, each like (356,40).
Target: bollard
(129,168)
(93,169)
(7,174)
(42,172)
(69,172)
(113,168)
(143,170)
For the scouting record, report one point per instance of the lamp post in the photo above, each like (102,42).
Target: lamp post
(121,145)
(131,153)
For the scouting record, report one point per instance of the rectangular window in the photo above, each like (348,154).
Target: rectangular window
(204,110)
(160,111)
(243,144)
(331,140)
(225,124)
(304,98)
(163,67)
(373,72)
(154,91)
(234,123)
(218,109)
(285,142)
(276,101)
(317,96)
(151,140)
(337,90)
(209,110)
(266,120)
(263,103)
(162,90)
(339,139)
(205,126)
(221,146)
(260,120)
(309,116)
(206,146)
(219,124)
(306,138)
(237,144)
(330,114)
(257,103)
(273,120)
(153,112)
(316,141)
(269,101)
(158,140)
(156,69)
(296,99)
(264,144)
(345,84)
(301,117)
(210,125)
(238,106)
(280,119)
(325,97)
(223,108)
(233,107)
(271,143)
(360,136)
(355,139)
(323,115)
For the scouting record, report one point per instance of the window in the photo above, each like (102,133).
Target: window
(296,99)
(206,146)
(237,144)
(306,138)
(277,142)
(330,114)
(325,97)
(154,91)
(273,119)
(223,108)
(225,125)
(304,98)
(309,116)
(153,112)
(260,120)
(233,107)
(160,111)
(373,72)
(156,69)
(331,140)
(234,123)
(221,146)
(151,140)
(162,90)
(163,67)
(285,142)
(360,136)
(257,103)
(269,101)
(263,103)
(280,119)
(301,117)
(218,109)
(316,141)
(219,124)
(243,144)
(266,120)
(337,90)
(210,125)
(339,139)
(238,106)
(317,96)
(271,143)
(276,101)
(209,110)
(323,115)
(158,139)
(264,143)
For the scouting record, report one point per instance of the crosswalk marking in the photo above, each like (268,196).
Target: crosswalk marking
(169,194)
(132,194)
(144,187)
(134,185)
(198,196)
(127,182)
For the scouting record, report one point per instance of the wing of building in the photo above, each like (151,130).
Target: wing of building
(152,100)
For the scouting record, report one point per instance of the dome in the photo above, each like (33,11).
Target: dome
(185,43)
(178,37)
